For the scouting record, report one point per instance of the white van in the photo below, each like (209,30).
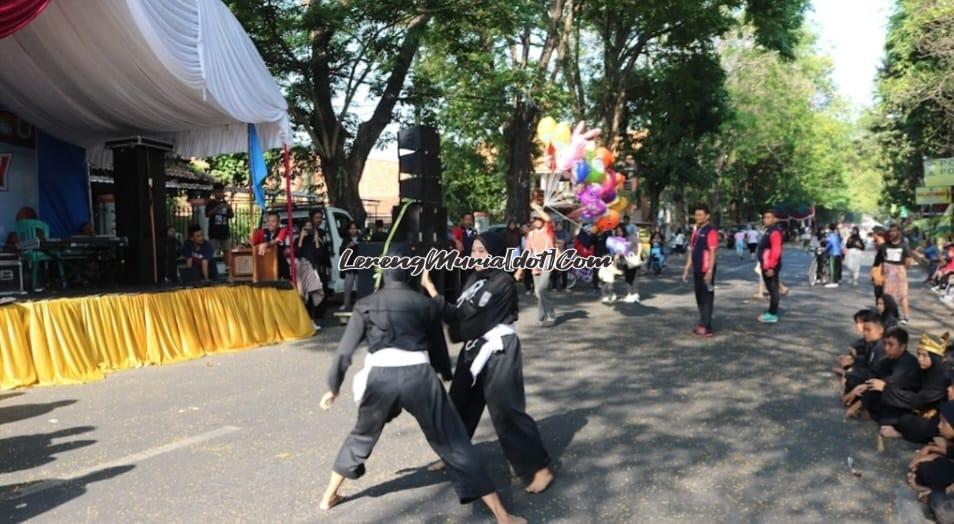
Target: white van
(334,219)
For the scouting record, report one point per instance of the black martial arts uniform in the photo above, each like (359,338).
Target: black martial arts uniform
(867,357)
(399,317)
(901,377)
(488,300)
(934,383)
(938,474)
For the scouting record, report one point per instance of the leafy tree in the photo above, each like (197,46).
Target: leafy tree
(343,66)
(915,118)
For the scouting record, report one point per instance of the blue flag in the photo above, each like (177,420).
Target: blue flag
(256,164)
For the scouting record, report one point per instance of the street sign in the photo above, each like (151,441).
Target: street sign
(932,195)
(939,172)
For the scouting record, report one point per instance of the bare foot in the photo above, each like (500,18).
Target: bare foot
(890,432)
(838,370)
(436,466)
(328,502)
(512,519)
(853,410)
(541,480)
(783,291)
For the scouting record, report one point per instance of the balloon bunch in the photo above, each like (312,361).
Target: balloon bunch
(588,166)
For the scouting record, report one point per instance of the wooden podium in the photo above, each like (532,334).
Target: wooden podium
(265,267)
(248,265)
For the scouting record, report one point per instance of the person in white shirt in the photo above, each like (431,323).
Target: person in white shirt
(752,239)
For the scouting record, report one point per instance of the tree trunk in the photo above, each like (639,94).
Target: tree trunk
(342,186)
(519,149)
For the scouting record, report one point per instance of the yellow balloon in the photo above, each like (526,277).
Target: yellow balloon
(545,129)
(562,133)
(620,204)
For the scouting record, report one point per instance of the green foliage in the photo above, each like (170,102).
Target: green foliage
(789,139)
(915,118)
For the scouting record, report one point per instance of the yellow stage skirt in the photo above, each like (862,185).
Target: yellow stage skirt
(74,340)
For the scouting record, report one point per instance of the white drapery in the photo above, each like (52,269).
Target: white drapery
(183,71)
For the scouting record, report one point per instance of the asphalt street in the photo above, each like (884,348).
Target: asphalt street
(645,424)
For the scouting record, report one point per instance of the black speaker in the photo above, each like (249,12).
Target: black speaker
(139,172)
(421,163)
(419,138)
(422,189)
(423,224)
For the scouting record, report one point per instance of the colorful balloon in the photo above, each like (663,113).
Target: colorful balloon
(580,171)
(606,155)
(597,165)
(608,220)
(545,129)
(619,205)
(608,196)
(617,245)
(595,177)
(562,134)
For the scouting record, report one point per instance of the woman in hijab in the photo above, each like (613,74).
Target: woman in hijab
(897,404)
(888,309)
(856,247)
(489,370)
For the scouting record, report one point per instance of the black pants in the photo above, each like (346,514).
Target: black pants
(499,387)
(705,299)
(916,428)
(835,266)
(771,284)
(558,279)
(418,390)
(936,474)
(884,414)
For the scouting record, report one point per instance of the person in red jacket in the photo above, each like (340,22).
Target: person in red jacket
(701,262)
(770,261)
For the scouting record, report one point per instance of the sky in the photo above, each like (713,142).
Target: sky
(852,32)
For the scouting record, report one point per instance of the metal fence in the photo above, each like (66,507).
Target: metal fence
(182,217)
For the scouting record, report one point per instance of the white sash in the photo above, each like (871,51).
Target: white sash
(385,358)
(493,343)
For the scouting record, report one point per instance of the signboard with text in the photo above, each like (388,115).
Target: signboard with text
(939,172)
(932,195)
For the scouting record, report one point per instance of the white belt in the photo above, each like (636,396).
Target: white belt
(493,343)
(385,358)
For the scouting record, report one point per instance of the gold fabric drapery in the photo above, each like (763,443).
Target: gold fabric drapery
(75,340)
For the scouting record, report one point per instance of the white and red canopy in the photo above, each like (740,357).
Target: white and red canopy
(184,71)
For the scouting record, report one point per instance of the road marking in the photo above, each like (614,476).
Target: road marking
(127,460)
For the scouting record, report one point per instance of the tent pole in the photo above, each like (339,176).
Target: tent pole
(288,204)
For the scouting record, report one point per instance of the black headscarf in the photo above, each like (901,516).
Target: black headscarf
(890,316)
(493,243)
(397,274)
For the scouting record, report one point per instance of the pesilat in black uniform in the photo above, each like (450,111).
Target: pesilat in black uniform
(483,318)
(405,341)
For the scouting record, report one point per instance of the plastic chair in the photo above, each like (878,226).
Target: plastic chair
(27,232)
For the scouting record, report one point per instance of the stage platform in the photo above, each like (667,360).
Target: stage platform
(76,339)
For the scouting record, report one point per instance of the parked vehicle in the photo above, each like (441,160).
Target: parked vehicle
(334,219)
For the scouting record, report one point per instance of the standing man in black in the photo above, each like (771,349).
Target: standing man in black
(702,262)
(405,341)
(219,212)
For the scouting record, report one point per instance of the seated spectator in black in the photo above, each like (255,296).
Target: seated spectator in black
(921,427)
(198,255)
(888,307)
(845,361)
(932,469)
(861,366)
(897,369)
(896,402)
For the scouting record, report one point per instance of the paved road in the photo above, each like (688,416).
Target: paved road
(646,424)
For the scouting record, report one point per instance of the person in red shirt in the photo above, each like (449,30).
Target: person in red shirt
(702,262)
(770,261)
(273,235)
